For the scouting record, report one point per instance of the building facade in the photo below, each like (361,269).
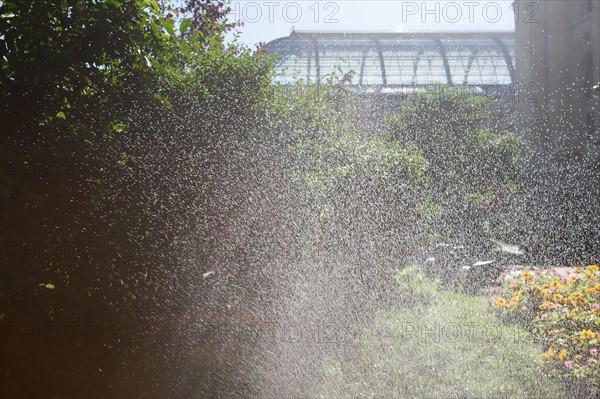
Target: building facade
(557,49)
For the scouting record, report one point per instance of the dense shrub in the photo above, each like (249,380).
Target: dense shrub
(473,169)
(368,193)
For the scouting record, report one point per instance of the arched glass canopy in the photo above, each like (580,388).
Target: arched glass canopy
(384,61)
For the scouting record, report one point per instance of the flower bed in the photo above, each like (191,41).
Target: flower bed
(562,307)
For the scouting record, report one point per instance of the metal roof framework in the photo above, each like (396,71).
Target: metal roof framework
(379,61)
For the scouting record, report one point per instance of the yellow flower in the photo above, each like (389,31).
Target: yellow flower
(589,275)
(558,298)
(562,354)
(514,300)
(595,290)
(556,332)
(500,303)
(527,275)
(578,357)
(572,313)
(586,334)
(569,281)
(537,289)
(548,355)
(576,298)
(593,268)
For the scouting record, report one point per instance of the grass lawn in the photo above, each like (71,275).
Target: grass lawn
(442,345)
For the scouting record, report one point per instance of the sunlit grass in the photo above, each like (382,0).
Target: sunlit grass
(452,347)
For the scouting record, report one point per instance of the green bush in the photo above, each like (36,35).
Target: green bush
(357,195)
(414,289)
(473,170)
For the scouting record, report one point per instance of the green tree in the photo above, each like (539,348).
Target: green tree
(473,170)
(367,194)
(141,114)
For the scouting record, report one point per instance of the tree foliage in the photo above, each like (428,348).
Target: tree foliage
(119,128)
(473,170)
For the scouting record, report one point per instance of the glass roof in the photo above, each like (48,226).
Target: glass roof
(388,60)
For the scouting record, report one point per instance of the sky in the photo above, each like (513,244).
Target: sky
(271,19)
